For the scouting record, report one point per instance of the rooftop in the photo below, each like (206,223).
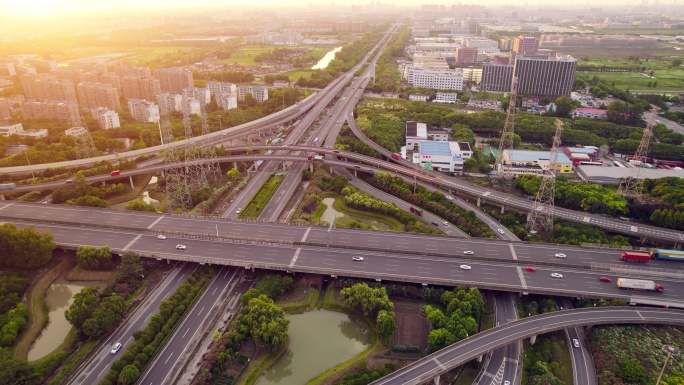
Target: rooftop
(416,130)
(591,110)
(429,147)
(527,156)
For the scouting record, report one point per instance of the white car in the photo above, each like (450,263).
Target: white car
(357,258)
(465,267)
(446,223)
(238,211)
(560,255)
(556,275)
(500,231)
(161,236)
(181,247)
(575,342)
(116,347)
(507,383)
(468,252)
(449,198)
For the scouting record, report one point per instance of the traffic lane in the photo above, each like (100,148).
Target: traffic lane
(282,195)
(253,185)
(83,236)
(124,334)
(231,228)
(162,367)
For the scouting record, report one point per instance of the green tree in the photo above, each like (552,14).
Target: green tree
(130,269)
(140,205)
(84,304)
(105,317)
(563,106)
(91,258)
(631,371)
(385,323)
(266,322)
(14,371)
(87,201)
(129,375)
(26,248)
(233,173)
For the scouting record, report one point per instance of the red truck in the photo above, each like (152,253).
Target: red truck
(416,211)
(396,156)
(635,256)
(115,173)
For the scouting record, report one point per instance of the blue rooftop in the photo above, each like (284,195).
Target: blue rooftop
(429,147)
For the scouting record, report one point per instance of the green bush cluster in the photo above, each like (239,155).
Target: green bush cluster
(13,313)
(147,341)
(406,348)
(424,293)
(459,320)
(374,303)
(365,375)
(25,248)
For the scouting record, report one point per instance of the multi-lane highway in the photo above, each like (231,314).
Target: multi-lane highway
(583,369)
(504,363)
(470,348)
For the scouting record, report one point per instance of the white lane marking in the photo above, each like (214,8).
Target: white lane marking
(640,316)
(294,258)
(515,256)
(439,364)
(522,277)
(132,242)
(155,222)
(5,206)
(306,234)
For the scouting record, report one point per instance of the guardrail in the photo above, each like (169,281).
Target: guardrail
(637,270)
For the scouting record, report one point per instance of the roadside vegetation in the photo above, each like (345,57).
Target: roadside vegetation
(260,200)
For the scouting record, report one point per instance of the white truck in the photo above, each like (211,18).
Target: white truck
(639,284)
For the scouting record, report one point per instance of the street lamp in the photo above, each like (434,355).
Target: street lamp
(671,351)
(29,163)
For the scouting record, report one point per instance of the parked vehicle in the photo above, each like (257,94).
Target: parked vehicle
(639,284)
(7,186)
(115,173)
(635,256)
(416,211)
(396,156)
(675,255)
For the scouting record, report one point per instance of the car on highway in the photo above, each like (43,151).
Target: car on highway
(116,347)
(161,236)
(468,252)
(507,383)
(446,223)
(605,279)
(238,211)
(530,268)
(435,223)
(556,275)
(465,267)
(575,343)
(357,258)
(449,198)
(180,247)
(560,255)
(500,231)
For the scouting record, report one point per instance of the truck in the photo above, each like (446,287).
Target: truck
(115,173)
(396,156)
(674,255)
(318,157)
(635,256)
(416,211)
(639,284)
(7,186)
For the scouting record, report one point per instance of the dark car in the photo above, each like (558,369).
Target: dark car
(435,223)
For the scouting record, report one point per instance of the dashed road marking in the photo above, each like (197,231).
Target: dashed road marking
(522,278)
(132,242)
(515,256)
(306,234)
(640,316)
(155,222)
(294,259)
(439,364)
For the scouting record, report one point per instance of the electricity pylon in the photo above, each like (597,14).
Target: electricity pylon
(632,183)
(541,217)
(506,142)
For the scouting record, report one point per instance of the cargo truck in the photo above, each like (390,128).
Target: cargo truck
(639,284)
(396,156)
(634,256)
(674,255)
(416,211)
(7,186)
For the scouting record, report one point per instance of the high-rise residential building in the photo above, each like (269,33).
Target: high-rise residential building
(102,77)
(143,111)
(72,75)
(41,66)
(169,102)
(466,55)
(139,87)
(47,86)
(226,100)
(106,118)
(7,68)
(218,87)
(436,79)
(174,80)
(525,45)
(541,76)
(190,106)
(259,93)
(5,112)
(200,94)
(50,109)
(93,95)
(123,71)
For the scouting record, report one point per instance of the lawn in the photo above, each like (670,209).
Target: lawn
(150,53)
(245,56)
(299,73)
(260,200)
(668,79)
(611,53)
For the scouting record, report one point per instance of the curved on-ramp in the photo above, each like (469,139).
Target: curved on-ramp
(457,354)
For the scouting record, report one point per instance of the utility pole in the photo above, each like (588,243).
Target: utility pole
(506,142)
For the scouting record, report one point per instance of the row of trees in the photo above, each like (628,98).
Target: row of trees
(80,188)
(373,303)
(13,312)
(460,318)
(25,248)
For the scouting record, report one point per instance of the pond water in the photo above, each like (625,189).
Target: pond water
(330,212)
(58,297)
(326,59)
(319,340)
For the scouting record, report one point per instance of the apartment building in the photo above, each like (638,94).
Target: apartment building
(191,106)
(93,95)
(467,55)
(259,93)
(200,94)
(51,109)
(106,118)
(169,102)
(5,112)
(123,71)
(174,80)
(525,45)
(9,129)
(226,100)
(140,87)
(219,87)
(47,86)
(143,111)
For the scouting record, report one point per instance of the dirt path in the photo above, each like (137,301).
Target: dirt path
(37,315)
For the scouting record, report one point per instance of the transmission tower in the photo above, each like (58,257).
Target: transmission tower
(83,142)
(631,184)
(177,190)
(541,217)
(506,142)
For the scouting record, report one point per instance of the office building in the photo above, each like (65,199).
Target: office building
(47,86)
(436,79)
(534,162)
(467,55)
(140,87)
(442,156)
(93,95)
(525,45)
(258,93)
(174,80)
(419,97)
(106,118)
(8,129)
(143,111)
(446,97)
(541,76)
(50,109)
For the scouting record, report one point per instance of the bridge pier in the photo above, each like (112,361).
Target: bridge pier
(436,380)
(503,209)
(478,201)
(104,183)
(355,176)
(235,165)
(2,197)
(130,179)
(480,357)
(533,339)
(311,167)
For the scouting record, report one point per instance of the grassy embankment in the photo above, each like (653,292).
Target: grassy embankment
(257,204)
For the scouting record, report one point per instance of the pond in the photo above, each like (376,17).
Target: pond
(58,297)
(326,59)
(319,340)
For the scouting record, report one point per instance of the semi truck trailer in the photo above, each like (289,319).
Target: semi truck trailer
(639,284)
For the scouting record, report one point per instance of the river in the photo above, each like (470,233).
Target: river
(58,297)
(326,59)
(319,340)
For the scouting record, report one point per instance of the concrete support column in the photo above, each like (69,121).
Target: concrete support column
(2,197)
(480,357)
(533,339)
(436,380)
(235,165)
(355,176)
(104,183)
(478,201)
(130,179)
(503,209)
(311,167)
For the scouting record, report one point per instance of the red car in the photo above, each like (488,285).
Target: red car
(530,268)
(605,279)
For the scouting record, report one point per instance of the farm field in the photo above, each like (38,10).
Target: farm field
(246,54)
(150,53)
(412,328)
